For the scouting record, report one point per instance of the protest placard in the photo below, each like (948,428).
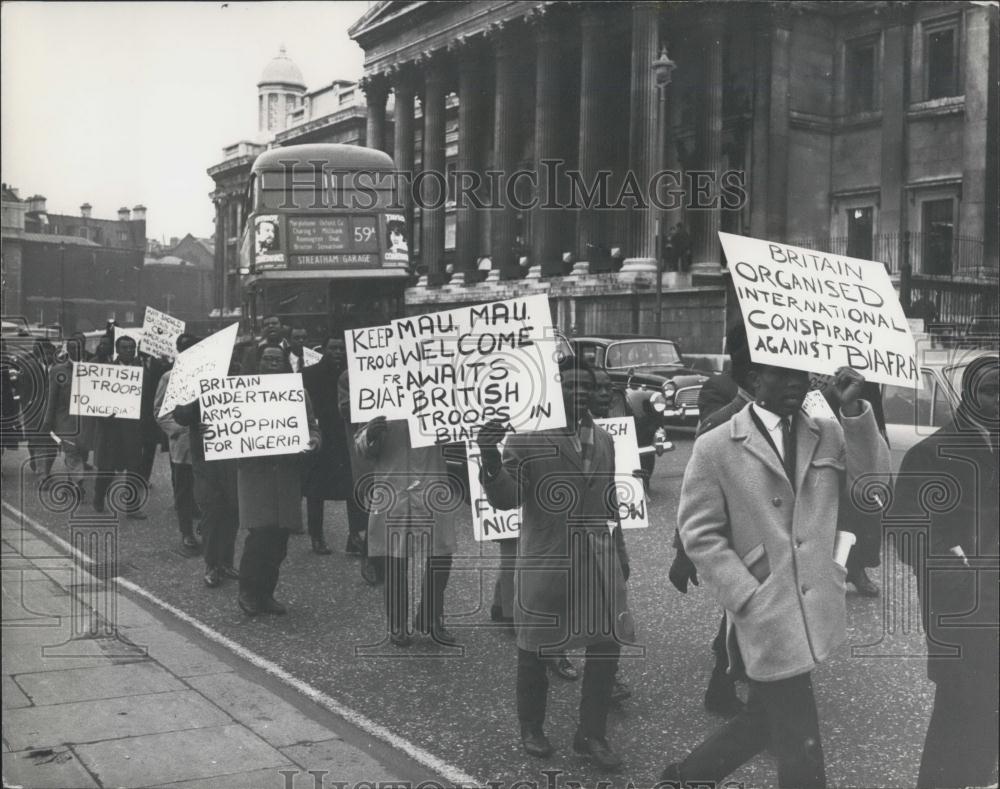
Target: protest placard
(816,311)
(106,390)
(488,523)
(375,374)
(253,415)
(466,366)
(310,357)
(134,333)
(631,495)
(206,359)
(159,333)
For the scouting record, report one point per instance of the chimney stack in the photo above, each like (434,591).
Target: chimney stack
(85,210)
(123,213)
(36,204)
(139,212)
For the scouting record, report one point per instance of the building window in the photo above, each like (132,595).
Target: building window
(82,232)
(122,235)
(941,60)
(938,233)
(129,317)
(861,72)
(859,232)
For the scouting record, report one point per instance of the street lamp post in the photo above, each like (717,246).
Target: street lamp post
(663,70)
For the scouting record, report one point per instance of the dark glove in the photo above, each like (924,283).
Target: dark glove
(375,430)
(489,436)
(682,571)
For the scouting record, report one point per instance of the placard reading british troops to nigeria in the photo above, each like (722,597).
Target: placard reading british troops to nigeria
(467,366)
(815,311)
(106,390)
(252,415)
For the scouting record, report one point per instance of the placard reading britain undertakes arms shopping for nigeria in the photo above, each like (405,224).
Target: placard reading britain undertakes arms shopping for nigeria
(815,311)
(466,366)
(251,415)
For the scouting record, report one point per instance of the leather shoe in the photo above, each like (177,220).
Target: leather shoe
(535,742)
(620,692)
(863,583)
(137,515)
(190,546)
(320,547)
(562,668)
(212,577)
(228,571)
(355,545)
(597,748)
(249,606)
(272,606)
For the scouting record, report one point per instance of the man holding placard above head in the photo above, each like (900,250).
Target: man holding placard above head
(270,503)
(570,588)
(758,518)
(119,443)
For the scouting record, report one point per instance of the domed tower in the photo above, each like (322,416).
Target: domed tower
(279,91)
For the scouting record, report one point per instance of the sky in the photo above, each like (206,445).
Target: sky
(117,104)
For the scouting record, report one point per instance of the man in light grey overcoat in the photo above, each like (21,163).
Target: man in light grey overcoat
(758,517)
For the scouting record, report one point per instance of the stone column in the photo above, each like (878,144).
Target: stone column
(546,255)
(895,40)
(641,245)
(471,101)
(593,76)
(376,90)
(432,208)
(403,143)
(973,216)
(706,253)
(505,141)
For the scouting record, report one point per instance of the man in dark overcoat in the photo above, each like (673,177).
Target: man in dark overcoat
(569,585)
(947,487)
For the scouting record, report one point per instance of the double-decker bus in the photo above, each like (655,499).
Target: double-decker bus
(325,238)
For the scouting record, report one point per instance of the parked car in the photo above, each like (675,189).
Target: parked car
(913,414)
(652,383)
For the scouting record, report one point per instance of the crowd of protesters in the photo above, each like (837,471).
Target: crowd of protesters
(765,498)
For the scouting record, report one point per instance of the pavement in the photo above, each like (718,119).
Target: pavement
(102,689)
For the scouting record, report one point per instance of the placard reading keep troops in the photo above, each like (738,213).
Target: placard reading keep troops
(206,359)
(375,374)
(464,367)
(106,390)
(253,415)
(159,334)
(632,513)
(816,311)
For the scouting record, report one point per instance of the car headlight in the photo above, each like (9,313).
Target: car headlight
(669,388)
(658,402)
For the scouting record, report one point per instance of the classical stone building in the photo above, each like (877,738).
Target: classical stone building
(77,271)
(859,127)
(179,279)
(288,114)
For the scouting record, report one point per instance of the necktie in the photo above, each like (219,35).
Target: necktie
(788,448)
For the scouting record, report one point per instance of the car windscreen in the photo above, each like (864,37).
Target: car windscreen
(642,353)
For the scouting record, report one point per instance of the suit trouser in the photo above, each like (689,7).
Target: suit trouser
(263,552)
(150,446)
(397,593)
(104,478)
(215,495)
(43,452)
(961,744)
(780,715)
(503,589)
(599,666)
(357,519)
(75,460)
(182,481)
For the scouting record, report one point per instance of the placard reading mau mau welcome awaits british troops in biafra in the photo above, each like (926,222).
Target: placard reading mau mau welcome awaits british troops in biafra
(810,310)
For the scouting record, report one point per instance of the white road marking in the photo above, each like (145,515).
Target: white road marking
(447,771)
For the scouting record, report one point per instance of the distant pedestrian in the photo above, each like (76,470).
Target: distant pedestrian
(59,421)
(33,390)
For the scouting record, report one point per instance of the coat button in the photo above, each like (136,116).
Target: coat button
(805,589)
(776,501)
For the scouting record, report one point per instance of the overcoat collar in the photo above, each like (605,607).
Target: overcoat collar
(742,428)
